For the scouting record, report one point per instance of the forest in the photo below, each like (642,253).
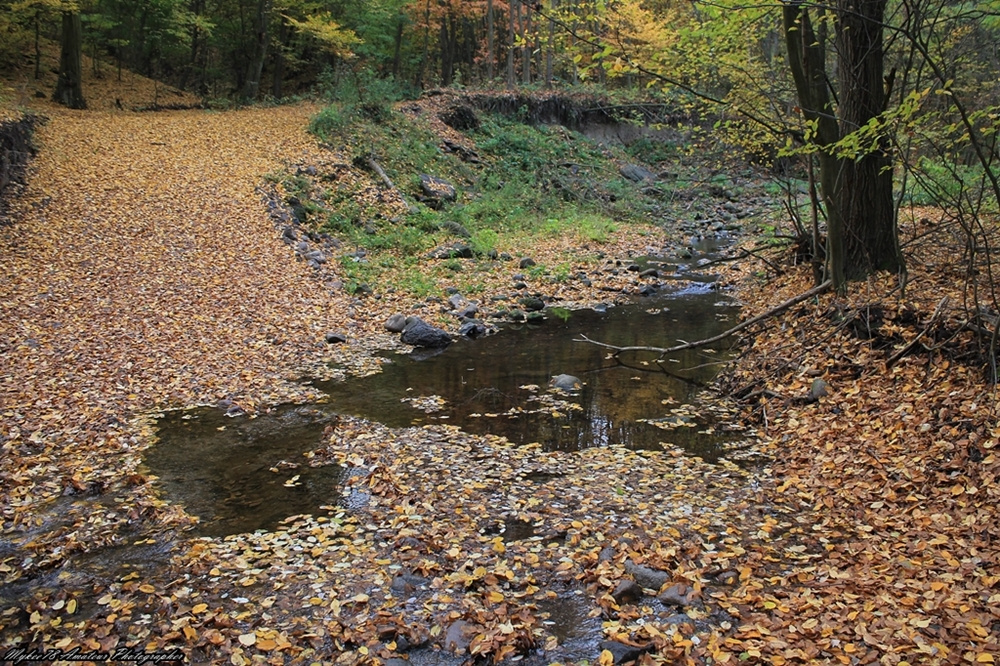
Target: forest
(877,103)
(443,332)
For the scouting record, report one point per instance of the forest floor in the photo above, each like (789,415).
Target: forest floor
(144,273)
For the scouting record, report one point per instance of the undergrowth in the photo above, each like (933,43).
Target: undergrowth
(523,183)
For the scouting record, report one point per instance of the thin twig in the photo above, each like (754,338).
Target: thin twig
(913,343)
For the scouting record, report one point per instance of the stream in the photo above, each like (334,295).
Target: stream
(231,472)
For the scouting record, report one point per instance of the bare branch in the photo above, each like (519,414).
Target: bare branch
(815,291)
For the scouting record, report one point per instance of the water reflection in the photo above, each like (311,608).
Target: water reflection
(483,382)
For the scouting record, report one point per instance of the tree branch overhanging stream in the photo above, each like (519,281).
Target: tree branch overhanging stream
(663,351)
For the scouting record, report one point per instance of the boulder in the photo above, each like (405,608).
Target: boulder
(436,191)
(419,333)
(461,117)
(636,173)
(455,229)
(526,262)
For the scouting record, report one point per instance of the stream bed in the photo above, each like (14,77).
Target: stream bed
(233,472)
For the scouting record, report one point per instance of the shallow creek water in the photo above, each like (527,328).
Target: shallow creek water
(224,470)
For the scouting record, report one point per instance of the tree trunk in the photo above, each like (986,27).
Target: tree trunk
(869,213)
(251,84)
(69,88)
(550,46)
(523,23)
(38,46)
(278,62)
(490,41)
(807,60)
(510,48)
(397,49)
(447,54)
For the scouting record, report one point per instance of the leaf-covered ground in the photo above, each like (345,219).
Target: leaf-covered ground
(144,273)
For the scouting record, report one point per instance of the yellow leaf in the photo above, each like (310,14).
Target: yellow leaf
(148,589)
(266,644)
(190,633)
(984,658)
(495,597)
(199,608)
(71,606)
(606,659)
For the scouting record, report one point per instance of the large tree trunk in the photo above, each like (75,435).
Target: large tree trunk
(807,61)
(69,87)
(251,84)
(278,62)
(869,213)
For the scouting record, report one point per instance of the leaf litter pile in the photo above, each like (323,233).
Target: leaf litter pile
(144,273)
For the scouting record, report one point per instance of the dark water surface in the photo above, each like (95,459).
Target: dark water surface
(234,472)
(482,381)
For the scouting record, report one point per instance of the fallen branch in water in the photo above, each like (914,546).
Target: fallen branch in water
(815,291)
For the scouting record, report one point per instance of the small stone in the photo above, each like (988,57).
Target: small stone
(818,389)
(532,303)
(651,579)
(648,289)
(459,636)
(396,323)
(335,338)
(627,591)
(678,594)
(566,383)
(526,262)
(621,652)
(472,329)
(468,312)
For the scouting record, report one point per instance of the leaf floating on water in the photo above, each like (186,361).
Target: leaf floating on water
(293,482)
